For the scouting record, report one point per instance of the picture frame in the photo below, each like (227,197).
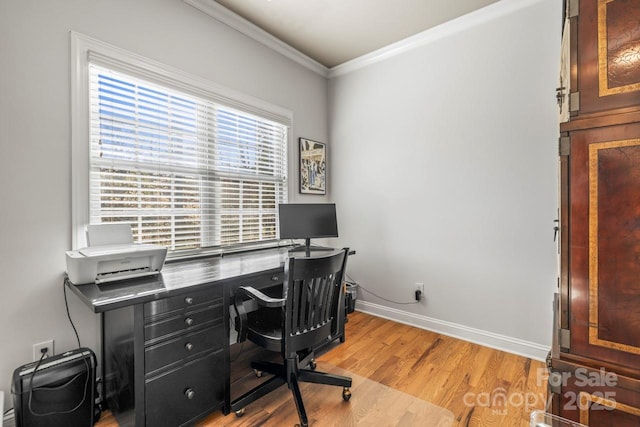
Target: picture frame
(313,167)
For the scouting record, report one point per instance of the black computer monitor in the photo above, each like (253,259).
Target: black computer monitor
(307,221)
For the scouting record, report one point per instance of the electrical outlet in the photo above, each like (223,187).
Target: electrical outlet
(420,289)
(37,349)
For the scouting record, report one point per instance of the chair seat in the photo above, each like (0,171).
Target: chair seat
(264,327)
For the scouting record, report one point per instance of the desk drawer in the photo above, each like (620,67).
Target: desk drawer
(184,301)
(183,322)
(182,395)
(184,347)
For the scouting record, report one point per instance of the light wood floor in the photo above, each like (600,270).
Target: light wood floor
(479,385)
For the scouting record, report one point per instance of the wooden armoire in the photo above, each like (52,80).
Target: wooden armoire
(594,373)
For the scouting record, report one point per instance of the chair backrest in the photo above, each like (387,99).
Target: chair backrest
(313,288)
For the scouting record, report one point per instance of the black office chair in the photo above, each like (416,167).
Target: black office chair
(294,325)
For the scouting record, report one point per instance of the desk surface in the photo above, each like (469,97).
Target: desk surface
(180,276)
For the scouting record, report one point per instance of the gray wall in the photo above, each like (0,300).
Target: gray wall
(35,141)
(444,170)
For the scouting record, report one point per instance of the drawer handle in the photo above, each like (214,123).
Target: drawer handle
(189,393)
(274,278)
(188,346)
(188,300)
(188,321)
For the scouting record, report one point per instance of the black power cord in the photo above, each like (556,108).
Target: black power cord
(351,281)
(66,304)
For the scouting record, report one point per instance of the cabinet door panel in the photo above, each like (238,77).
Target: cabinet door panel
(595,397)
(615,244)
(608,55)
(605,244)
(615,414)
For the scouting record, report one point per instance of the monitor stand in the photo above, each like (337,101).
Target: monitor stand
(307,248)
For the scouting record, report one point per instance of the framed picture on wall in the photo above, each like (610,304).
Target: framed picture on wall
(313,167)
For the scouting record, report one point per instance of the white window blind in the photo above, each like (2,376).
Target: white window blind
(185,171)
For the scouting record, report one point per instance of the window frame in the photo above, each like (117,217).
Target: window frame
(86,50)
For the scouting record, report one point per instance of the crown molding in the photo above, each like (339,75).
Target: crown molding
(480,16)
(238,23)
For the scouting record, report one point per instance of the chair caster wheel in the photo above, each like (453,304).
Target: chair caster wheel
(240,412)
(346,394)
(257,373)
(312,364)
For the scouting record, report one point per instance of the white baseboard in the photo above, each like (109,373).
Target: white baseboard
(476,336)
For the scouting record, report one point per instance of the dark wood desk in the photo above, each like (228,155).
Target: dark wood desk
(165,338)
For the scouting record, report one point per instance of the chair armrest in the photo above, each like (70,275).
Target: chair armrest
(262,299)
(254,294)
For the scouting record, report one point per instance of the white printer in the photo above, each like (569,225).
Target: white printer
(112,255)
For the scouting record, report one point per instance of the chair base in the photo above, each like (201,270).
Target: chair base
(290,374)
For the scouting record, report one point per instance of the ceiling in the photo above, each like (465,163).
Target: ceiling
(333,32)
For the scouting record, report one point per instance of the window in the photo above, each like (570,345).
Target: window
(184,169)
